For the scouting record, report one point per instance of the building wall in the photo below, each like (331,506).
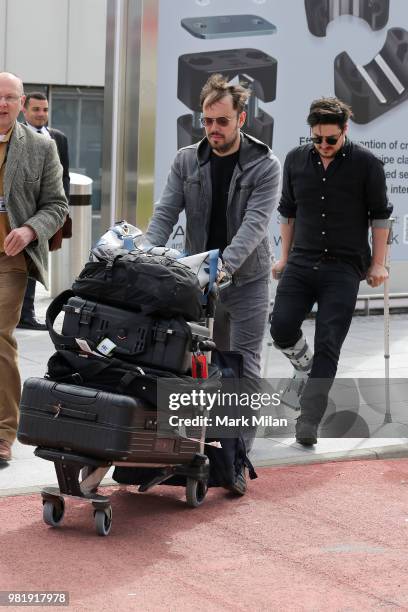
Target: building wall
(60,42)
(58,47)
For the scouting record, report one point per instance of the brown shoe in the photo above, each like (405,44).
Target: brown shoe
(5,450)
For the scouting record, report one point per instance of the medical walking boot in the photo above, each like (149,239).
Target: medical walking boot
(301,357)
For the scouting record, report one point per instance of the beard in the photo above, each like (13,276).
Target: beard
(224,146)
(328,153)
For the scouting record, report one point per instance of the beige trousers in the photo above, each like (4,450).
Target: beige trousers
(13,281)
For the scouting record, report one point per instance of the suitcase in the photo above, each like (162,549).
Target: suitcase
(97,424)
(132,336)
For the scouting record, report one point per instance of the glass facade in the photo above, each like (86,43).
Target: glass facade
(78,112)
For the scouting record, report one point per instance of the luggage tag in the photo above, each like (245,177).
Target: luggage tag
(199,367)
(83,345)
(106,347)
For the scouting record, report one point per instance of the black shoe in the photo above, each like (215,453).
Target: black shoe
(239,486)
(32,323)
(306,432)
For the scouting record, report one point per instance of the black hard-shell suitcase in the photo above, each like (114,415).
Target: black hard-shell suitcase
(97,424)
(132,336)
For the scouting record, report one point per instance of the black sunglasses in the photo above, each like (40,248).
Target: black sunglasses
(330,140)
(221,121)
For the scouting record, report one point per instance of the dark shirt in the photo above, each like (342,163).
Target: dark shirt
(222,169)
(333,207)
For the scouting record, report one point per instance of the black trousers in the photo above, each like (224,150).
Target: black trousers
(333,285)
(27,311)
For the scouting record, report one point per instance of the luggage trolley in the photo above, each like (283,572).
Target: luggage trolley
(80,474)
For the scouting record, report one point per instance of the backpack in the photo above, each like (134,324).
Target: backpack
(156,284)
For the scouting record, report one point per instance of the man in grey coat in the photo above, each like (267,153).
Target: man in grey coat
(32,208)
(228,186)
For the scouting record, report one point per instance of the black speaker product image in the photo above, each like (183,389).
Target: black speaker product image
(380,85)
(227,26)
(254,68)
(319,13)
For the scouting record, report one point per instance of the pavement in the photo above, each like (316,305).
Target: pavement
(316,538)
(321,530)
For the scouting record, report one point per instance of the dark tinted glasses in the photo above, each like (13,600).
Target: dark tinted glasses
(330,140)
(221,121)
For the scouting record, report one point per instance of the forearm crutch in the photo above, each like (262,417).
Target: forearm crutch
(387,416)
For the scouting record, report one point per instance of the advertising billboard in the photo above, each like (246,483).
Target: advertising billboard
(288,54)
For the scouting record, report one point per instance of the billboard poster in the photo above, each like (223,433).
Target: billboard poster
(289,53)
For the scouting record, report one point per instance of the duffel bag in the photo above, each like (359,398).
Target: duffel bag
(156,284)
(115,375)
(132,336)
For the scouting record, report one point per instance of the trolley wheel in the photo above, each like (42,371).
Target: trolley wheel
(196,490)
(103,521)
(53,511)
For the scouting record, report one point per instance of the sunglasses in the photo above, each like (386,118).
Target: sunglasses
(330,140)
(221,121)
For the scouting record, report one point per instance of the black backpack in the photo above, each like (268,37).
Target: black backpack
(154,283)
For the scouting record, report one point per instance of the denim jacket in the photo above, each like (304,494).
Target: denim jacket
(252,197)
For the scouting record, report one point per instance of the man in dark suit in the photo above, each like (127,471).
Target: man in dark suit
(35,111)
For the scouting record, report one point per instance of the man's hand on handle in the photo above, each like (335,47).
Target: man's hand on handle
(17,240)
(224,278)
(376,275)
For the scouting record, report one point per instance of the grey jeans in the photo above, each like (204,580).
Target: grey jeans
(240,322)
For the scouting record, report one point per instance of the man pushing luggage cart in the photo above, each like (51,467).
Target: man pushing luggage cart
(227,184)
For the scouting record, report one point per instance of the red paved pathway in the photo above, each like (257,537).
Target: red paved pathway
(327,537)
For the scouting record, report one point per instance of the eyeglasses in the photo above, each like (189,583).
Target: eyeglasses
(221,121)
(330,140)
(10,99)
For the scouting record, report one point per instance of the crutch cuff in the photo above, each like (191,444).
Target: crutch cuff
(382,223)
(284,220)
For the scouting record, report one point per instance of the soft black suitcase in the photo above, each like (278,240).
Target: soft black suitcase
(107,374)
(96,424)
(131,336)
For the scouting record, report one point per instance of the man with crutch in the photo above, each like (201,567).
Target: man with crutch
(333,191)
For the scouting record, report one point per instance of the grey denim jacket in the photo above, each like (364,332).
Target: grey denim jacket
(252,197)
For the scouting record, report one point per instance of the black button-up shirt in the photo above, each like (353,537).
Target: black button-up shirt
(333,207)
